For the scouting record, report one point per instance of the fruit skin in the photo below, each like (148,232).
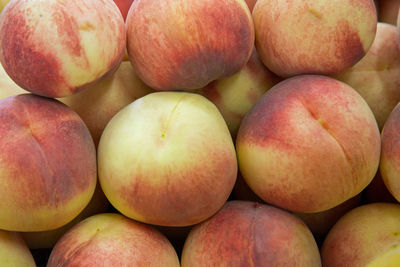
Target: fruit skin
(124,6)
(47,239)
(313,37)
(111,239)
(376,77)
(245,233)
(390,156)
(97,104)
(47,164)
(52,48)
(188,43)
(365,234)
(236,94)
(13,251)
(167,159)
(3,3)
(310,143)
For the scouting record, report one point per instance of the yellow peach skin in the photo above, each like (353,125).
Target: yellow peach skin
(390,157)
(56,48)
(185,44)
(366,236)
(310,143)
(245,233)
(167,159)
(13,251)
(47,239)
(111,239)
(313,37)
(47,164)
(236,94)
(376,77)
(99,103)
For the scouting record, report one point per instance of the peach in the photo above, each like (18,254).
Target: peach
(236,94)
(313,37)
(13,251)
(111,239)
(244,233)
(54,48)
(376,77)
(7,86)
(47,164)
(366,236)
(390,157)
(318,222)
(47,239)
(186,44)
(388,11)
(310,143)
(99,103)
(123,6)
(167,159)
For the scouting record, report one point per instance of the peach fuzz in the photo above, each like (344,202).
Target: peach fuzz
(366,236)
(97,104)
(310,143)
(167,159)
(111,239)
(188,43)
(313,37)
(376,77)
(236,94)
(7,86)
(47,164)
(245,233)
(47,239)
(13,251)
(390,156)
(54,48)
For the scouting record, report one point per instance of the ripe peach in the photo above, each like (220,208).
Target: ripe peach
(186,44)
(250,234)
(366,236)
(236,94)
(390,157)
(99,103)
(313,37)
(47,164)
(54,48)
(310,143)
(111,239)
(13,251)
(376,77)
(167,159)
(47,239)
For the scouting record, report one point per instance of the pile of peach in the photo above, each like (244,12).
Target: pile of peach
(200,133)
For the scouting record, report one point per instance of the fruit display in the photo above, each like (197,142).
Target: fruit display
(200,133)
